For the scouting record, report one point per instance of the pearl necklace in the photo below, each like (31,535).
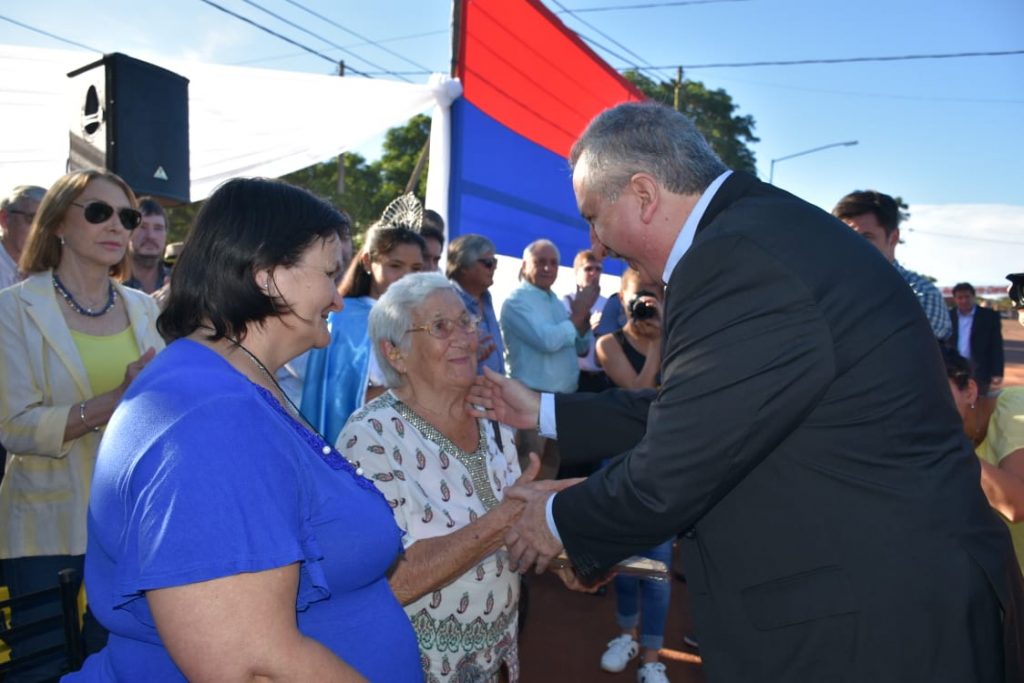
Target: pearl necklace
(79,308)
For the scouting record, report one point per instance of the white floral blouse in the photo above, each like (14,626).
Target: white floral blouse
(466,629)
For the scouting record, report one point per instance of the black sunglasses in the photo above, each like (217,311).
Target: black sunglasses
(97,212)
(1016,289)
(487,262)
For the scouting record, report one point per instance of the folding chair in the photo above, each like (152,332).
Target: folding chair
(66,624)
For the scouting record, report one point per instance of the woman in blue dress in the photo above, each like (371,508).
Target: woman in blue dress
(227,539)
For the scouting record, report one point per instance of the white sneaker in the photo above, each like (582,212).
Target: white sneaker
(620,651)
(652,672)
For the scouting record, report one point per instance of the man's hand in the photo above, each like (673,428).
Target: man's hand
(496,397)
(529,541)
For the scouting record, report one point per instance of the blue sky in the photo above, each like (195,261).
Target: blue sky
(944,134)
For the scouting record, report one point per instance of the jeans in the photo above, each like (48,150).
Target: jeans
(645,601)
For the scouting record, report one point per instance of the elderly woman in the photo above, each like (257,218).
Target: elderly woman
(339,377)
(73,341)
(227,540)
(471,265)
(444,474)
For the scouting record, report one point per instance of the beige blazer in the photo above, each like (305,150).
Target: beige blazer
(45,490)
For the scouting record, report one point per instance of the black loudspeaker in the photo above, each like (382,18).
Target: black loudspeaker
(131,117)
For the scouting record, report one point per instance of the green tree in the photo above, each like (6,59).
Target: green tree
(368,187)
(714,114)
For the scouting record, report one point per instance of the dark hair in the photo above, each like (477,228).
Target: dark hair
(429,232)
(963,287)
(958,368)
(246,225)
(380,241)
(432,225)
(151,207)
(860,202)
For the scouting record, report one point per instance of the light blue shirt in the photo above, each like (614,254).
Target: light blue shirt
(546,419)
(541,342)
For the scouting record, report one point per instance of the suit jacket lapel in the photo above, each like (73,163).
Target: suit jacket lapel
(43,308)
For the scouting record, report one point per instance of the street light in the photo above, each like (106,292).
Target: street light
(771,172)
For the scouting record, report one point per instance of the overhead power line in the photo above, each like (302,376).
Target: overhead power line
(272,32)
(607,37)
(357,35)
(651,5)
(844,60)
(48,34)
(321,38)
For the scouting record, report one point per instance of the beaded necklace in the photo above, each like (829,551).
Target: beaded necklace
(79,308)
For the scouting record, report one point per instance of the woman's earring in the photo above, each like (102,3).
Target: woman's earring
(61,238)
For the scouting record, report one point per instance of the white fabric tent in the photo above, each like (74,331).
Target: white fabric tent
(242,121)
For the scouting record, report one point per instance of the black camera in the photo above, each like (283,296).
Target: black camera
(640,309)
(1016,290)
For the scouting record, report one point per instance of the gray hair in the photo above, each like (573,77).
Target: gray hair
(645,137)
(392,315)
(20,194)
(464,252)
(533,247)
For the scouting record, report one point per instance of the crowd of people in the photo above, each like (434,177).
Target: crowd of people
(284,458)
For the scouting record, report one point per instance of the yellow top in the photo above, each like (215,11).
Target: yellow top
(1006,435)
(44,494)
(105,357)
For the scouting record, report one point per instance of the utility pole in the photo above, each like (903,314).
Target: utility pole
(341,157)
(677,102)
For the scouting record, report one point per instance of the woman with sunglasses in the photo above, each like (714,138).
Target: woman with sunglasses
(471,265)
(73,339)
(343,376)
(444,474)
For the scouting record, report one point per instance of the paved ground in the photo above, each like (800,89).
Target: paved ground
(566,634)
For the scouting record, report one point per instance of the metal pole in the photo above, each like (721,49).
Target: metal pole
(771,172)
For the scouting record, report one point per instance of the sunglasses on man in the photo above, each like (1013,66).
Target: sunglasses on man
(98,211)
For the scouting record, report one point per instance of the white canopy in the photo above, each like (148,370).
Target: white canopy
(242,121)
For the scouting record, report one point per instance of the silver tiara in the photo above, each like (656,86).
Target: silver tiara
(404,212)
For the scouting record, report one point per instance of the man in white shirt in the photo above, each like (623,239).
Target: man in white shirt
(17,210)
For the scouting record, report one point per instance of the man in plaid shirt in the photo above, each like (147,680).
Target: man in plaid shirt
(876,217)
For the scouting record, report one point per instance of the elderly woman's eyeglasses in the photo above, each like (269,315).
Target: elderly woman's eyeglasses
(444,328)
(97,212)
(488,263)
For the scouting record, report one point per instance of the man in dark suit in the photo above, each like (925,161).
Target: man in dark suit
(804,437)
(978,336)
